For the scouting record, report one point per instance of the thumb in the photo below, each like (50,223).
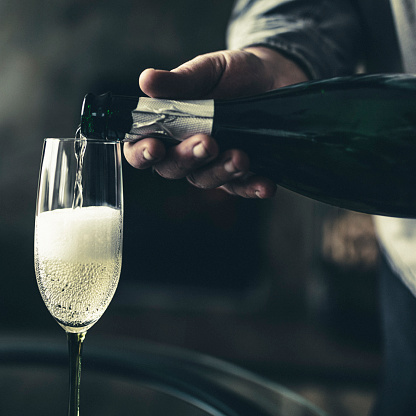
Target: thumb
(192,80)
(222,74)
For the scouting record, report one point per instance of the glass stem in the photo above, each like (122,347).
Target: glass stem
(75,342)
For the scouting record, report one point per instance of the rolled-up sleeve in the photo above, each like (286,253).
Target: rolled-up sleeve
(322,36)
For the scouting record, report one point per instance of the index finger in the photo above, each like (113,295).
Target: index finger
(144,153)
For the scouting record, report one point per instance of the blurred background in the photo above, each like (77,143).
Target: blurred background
(286,288)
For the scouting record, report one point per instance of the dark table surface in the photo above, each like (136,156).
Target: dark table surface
(127,378)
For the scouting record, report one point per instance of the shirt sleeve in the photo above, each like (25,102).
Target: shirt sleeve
(322,36)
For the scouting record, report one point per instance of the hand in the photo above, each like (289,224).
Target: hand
(224,74)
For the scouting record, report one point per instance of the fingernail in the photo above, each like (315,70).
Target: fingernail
(200,152)
(230,167)
(147,155)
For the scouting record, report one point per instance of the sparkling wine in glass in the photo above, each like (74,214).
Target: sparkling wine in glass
(78,238)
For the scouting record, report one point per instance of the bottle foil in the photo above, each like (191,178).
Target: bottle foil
(172,119)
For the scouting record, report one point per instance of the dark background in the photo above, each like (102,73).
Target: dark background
(285,287)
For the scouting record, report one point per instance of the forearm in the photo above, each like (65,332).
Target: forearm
(283,71)
(322,37)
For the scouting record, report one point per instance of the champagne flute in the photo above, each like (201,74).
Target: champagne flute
(78,238)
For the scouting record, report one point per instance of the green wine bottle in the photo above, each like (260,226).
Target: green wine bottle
(349,141)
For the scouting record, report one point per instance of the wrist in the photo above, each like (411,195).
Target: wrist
(281,69)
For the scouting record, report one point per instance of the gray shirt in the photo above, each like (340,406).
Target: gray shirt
(326,37)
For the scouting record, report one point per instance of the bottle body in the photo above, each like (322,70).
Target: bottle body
(349,142)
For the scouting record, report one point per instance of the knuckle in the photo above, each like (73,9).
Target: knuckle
(172,169)
(193,179)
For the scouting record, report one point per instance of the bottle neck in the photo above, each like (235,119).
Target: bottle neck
(107,117)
